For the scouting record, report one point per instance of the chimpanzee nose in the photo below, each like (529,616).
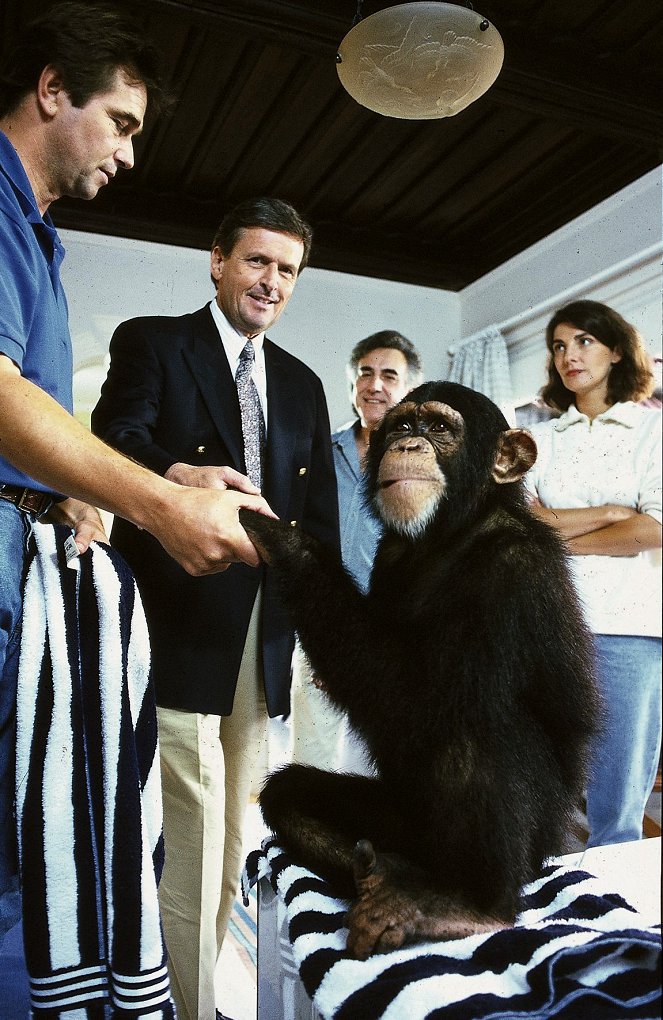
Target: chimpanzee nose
(410,444)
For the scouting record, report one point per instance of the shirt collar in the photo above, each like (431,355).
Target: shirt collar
(233,341)
(346,434)
(45,232)
(345,439)
(624,413)
(11,164)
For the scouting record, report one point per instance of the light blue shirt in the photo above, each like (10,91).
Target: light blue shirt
(360,531)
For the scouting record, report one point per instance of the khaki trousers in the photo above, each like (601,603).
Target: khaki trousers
(207,764)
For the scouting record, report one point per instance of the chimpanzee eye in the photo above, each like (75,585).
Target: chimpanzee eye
(438,426)
(402,426)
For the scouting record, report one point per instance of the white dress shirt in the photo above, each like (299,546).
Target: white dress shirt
(233,344)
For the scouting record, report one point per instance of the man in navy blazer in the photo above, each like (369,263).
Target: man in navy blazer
(221,645)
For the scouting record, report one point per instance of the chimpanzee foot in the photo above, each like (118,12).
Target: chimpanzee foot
(393,909)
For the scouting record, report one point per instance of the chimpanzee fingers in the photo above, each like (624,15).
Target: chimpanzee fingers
(273,539)
(358,947)
(378,925)
(393,937)
(250,521)
(362,940)
(262,551)
(381,927)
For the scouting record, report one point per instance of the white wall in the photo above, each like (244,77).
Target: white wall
(110,279)
(611,253)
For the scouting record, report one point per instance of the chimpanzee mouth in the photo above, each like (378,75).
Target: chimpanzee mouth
(388,482)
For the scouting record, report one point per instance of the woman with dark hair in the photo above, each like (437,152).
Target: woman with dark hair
(597,481)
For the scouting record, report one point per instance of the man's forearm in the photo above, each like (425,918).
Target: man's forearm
(42,439)
(198,527)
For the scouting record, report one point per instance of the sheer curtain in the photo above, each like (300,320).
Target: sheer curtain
(482,363)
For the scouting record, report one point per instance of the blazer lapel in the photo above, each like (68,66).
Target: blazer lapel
(209,365)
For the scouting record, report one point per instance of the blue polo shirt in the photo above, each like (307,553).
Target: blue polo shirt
(34,327)
(360,531)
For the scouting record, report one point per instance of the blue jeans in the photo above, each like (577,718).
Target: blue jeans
(15,532)
(626,754)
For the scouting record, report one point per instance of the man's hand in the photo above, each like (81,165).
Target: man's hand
(83,518)
(210,477)
(201,528)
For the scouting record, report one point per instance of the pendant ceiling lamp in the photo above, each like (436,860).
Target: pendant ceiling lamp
(419,61)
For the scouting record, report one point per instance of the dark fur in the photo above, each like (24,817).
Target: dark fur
(467,671)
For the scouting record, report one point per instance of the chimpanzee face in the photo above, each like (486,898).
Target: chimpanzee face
(417,439)
(426,456)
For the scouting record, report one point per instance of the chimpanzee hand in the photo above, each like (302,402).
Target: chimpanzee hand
(395,907)
(277,541)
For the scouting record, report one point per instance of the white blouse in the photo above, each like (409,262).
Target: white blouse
(616,458)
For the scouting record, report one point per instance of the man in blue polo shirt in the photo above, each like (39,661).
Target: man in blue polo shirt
(73,94)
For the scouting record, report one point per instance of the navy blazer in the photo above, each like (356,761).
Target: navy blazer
(170,397)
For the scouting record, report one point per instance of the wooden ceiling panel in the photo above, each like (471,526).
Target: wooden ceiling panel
(356,160)
(513,171)
(477,151)
(570,177)
(573,116)
(274,146)
(173,160)
(422,146)
(233,135)
(325,145)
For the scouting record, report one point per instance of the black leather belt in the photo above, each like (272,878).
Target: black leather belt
(28,500)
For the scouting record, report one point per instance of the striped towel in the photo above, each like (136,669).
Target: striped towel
(575,953)
(88,791)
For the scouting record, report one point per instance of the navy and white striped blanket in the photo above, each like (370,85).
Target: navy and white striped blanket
(88,791)
(575,953)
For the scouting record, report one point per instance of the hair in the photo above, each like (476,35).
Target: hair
(631,378)
(390,340)
(268,213)
(87,43)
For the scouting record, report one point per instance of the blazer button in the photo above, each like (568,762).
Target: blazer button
(293,524)
(200,449)
(302,471)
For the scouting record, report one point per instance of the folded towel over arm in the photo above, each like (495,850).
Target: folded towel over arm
(88,790)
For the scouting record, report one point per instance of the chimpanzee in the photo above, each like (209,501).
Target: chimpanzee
(466,669)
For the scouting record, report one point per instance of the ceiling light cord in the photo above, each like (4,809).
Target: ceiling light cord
(358,15)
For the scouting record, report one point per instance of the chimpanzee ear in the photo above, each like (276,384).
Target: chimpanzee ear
(516,452)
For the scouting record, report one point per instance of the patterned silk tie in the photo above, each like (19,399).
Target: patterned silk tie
(253,423)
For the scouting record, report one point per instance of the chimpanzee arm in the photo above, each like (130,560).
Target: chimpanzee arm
(329,612)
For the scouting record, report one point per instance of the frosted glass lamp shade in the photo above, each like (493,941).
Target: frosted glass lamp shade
(420,61)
